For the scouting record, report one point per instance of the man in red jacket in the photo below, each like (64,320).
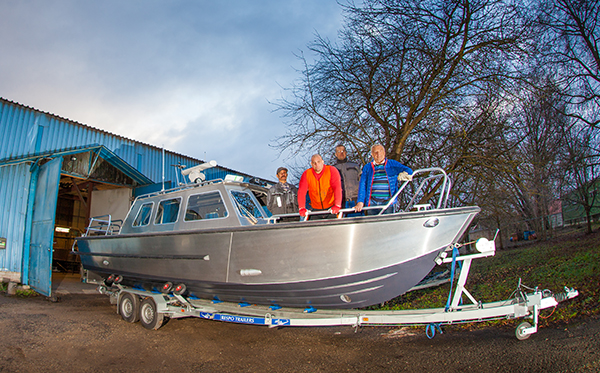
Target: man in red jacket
(324,187)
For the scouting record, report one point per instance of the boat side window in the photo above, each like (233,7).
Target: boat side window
(246,204)
(205,206)
(168,210)
(143,216)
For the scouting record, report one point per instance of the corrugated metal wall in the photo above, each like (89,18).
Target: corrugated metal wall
(25,132)
(14,189)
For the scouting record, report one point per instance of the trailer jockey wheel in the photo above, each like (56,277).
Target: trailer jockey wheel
(520,331)
(149,317)
(129,307)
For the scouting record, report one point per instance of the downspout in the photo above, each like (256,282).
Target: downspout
(163,169)
(35,171)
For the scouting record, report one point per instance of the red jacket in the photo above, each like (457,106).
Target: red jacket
(324,189)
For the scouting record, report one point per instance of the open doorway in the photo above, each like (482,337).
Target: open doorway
(70,188)
(78,200)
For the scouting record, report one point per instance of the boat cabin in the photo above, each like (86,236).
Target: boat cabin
(213,204)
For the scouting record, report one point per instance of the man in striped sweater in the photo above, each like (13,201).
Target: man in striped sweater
(379,180)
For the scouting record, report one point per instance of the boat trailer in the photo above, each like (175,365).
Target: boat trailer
(154,308)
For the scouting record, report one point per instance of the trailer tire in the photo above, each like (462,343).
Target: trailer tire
(149,317)
(129,307)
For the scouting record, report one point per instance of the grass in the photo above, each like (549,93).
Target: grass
(23,293)
(571,260)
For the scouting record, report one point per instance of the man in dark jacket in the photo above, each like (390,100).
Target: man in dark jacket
(350,174)
(282,197)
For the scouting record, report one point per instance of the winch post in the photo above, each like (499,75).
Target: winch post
(460,286)
(485,248)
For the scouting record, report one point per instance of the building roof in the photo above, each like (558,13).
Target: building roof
(20,138)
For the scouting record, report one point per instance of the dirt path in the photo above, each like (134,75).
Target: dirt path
(84,333)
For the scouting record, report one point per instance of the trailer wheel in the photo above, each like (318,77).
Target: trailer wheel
(521,336)
(150,318)
(129,307)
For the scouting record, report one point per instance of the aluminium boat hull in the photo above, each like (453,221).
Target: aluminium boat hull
(340,263)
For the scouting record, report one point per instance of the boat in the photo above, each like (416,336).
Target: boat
(215,240)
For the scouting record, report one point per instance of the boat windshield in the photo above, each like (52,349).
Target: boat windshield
(247,206)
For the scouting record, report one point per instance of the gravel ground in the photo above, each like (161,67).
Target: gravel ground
(83,332)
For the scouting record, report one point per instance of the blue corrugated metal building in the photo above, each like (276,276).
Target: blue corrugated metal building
(55,173)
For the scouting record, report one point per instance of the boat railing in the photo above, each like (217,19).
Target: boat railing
(345,212)
(180,187)
(433,174)
(103,226)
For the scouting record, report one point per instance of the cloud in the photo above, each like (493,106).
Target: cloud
(194,76)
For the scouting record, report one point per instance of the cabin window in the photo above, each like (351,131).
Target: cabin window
(205,206)
(143,216)
(167,211)
(246,205)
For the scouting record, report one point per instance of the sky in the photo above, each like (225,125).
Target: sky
(197,77)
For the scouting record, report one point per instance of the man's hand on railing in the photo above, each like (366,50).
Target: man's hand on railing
(404,176)
(303,212)
(358,207)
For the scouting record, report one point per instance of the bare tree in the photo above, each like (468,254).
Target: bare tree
(438,82)
(401,68)
(526,165)
(572,40)
(581,186)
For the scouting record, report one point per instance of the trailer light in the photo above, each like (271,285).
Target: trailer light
(62,229)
